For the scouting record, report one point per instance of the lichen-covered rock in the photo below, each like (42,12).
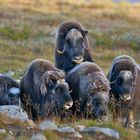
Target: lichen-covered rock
(66,129)
(9,137)
(2,131)
(14,112)
(69,130)
(106,131)
(9,73)
(47,125)
(38,136)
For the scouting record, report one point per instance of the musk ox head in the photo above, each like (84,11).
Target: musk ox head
(123,85)
(122,77)
(74,45)
(9,96)
(56,92)
(9,91)
(98,95)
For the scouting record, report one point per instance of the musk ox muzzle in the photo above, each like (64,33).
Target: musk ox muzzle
(123,85)
(99,106)
(62,90)
(78,59)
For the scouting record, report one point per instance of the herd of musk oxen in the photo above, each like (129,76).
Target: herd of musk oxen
(76,83)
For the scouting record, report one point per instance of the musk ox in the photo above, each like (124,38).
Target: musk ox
(124,77)
(72,46)
(90,91)
(44,91)
(9,91)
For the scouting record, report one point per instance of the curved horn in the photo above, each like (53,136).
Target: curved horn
(61,52)
(112,82)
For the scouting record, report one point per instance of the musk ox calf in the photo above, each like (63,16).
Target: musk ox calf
(90,91)
(9,91)
(72,46)
(44,91)
(124,77)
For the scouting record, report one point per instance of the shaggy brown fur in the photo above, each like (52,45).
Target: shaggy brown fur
(43,90)
(89,85)
(120,107)
(62,32)
(7,96)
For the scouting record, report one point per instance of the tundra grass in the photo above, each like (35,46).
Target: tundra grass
(27,32)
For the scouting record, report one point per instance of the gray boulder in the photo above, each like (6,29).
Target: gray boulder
(69,130)
(38,136)
(106,131)
(14,112)
(47,125)
(2,131)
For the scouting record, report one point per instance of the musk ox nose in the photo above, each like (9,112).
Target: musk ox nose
(68,105)
(78,57)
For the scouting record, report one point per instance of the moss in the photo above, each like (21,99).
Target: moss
(50,135)
(15,35)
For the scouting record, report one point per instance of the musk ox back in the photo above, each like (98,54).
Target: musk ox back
(72,46)
(9,91)
(124,77)
(44,92)
(90,90)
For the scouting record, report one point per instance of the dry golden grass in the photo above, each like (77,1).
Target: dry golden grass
(27,32)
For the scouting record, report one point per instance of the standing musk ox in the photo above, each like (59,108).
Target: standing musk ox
(72,46)
(90,91)
(124,77)
(44,91)
(9,91)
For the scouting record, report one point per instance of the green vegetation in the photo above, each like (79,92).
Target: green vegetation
(27,32)
(10,33)
(124,133)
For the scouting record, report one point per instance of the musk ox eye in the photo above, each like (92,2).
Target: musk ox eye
(52,82)
(59,90)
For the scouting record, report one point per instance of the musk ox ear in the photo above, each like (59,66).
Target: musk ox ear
(84,32)
(43,89)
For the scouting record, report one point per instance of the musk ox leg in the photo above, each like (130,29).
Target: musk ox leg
(26,104)
(130,120)
(116,115)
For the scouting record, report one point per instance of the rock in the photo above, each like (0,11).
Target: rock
(38,136)
(14,112)
(2,131)
(47,125)
(9,73)
(9,137)
(66,129)
(70,130)
(79,127)
(76,135)
(106,131)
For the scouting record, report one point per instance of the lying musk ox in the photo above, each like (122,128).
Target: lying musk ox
(72,46)
(90,91)
(124,77)
(9,91)
(43,90)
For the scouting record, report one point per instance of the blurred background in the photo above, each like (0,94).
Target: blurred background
(28,27)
